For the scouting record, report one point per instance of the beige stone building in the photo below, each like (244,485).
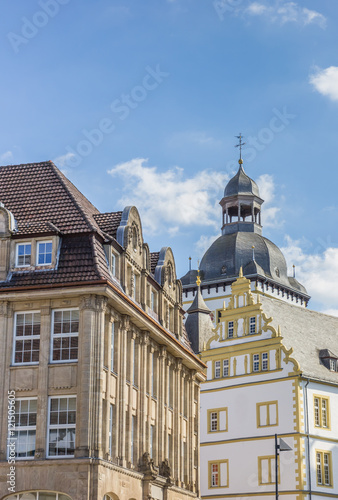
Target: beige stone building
(99,385)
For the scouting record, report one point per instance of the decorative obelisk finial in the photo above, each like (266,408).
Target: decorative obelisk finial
(240,145)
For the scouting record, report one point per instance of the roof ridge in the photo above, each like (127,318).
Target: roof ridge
(62,178)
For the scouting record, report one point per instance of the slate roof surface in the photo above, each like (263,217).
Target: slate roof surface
(307,332)
(154,256)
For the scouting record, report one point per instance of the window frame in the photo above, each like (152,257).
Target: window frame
(263,363)
(41,242)
(219,484)
(226,365)
(17,245)
(60,426)
(322,454)
(216,368)
(27,428)
(321,399)
(62,335)
(231,328)
(217,411)
(252,323)
(268,417)
(31,337)
(271,470)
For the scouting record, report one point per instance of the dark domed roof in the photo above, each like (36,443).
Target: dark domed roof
(230,252)
(241,184)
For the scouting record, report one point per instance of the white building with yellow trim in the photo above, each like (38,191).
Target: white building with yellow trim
(271,366)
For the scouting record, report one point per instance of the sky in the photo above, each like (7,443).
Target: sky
(139,103)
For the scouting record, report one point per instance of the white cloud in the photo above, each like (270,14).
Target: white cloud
(286,12)
(317,272)
(267,190)
(63,161)
(325,81)
(168,199)
(204,243)
(6,156)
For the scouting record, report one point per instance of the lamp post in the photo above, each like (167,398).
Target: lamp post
(282,446)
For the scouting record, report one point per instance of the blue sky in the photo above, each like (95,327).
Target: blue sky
(139,102)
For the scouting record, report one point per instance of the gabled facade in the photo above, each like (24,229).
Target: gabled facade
(264,379)
(100,386)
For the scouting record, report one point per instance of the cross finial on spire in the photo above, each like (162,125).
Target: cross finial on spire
(240,145)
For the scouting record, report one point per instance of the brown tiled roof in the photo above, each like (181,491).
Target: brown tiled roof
(108,222)
(154,256)
(40,193)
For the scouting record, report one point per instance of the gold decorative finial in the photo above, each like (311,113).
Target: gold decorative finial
(294,271)
(240,145)
(198,280)
(240,272)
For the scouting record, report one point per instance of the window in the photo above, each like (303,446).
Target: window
(61,426)
(324,468)
(112,347)
(65,331)
(267,470)
(321,410)
(260,362)
(218,420)
(44,253)
(256,362)
(26,337)
(267,414)
(219,474)
(264,361)
(171,387)
(225,367)
(23,254)
(152,300)
(113,264)
(252,325)
(41,495)
(111,416)
(132,437)
(230,329)
(333,364)
(154,376)
(217,369)
(25,427)
(152,441)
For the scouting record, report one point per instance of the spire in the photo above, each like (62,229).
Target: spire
(240,145)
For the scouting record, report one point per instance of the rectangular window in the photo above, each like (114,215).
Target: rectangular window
(324,468)
(267,470)
(321,412)
(65,333)
(152,441)
(61,426)
(225,367)
(113,264)
(153,301)
(230,329)
(218,420)
(267,414)
(217,369)
(252,328)
(26,337)
(255,364)
(23,254)
(44,253)
(264,361)
(171,387)
(112,347)
(219,474)
(154,376)
(111,416)
(25,428)
(169,447)
(132,437)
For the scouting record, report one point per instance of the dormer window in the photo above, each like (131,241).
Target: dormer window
(113,264)
(329,359)
(333,365)
(23,254)
(44,253)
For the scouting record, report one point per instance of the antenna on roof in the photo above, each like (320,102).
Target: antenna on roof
(189,263)
(240,145)
(253,252)
(294,271)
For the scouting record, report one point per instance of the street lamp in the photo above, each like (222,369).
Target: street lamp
(282,446)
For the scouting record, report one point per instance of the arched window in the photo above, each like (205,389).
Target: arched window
(38,495)
(134,239)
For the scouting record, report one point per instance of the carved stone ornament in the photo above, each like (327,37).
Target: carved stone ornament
(147,466)
(165,471)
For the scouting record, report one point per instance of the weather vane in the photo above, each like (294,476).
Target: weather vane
(240,145)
